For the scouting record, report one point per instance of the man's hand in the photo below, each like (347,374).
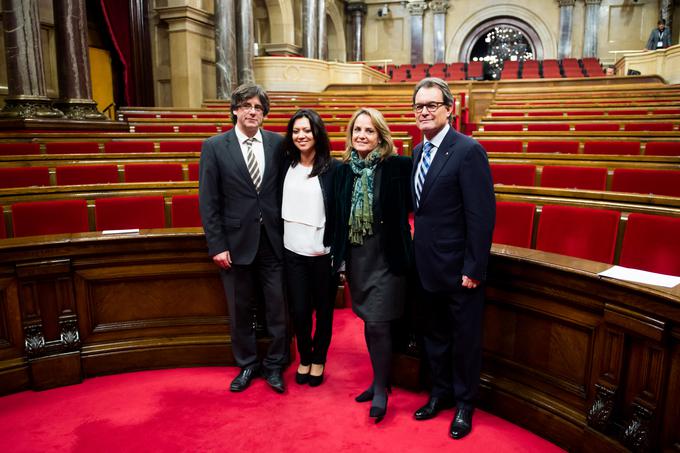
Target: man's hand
(470,283)
(223,260)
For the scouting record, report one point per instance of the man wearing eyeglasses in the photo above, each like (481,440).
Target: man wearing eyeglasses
(455,210)
(238,193)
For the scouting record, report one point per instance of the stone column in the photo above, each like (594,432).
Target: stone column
(357,11)
(225,48)
(439,8)
(416,8)
(73,69)
(591,28)
(310,28)
(322,52)
(566,20)
(26,91)
(666,12)
(246,41)
(188,28)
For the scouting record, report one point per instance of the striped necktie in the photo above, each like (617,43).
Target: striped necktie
(253,168)
(422,170)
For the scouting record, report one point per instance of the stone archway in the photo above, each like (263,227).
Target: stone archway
(543,39)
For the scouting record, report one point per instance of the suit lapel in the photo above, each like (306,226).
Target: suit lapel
(234,151)
(417,151)
(268,156)
(444,151)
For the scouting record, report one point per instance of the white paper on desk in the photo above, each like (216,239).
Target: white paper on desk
(638,276)
(130,231)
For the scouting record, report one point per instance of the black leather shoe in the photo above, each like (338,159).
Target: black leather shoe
(433,407)
(275,380)
(462,423)
(242,381)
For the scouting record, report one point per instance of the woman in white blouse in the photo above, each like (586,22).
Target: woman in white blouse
(306,207)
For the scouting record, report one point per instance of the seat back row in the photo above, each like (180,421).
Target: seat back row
(649,242)
(73,216)
(613,147)
(564,126)
(631,180)
(97,174)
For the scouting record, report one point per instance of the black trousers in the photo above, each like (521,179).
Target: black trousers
(241,285)
(452,336)
(311,288)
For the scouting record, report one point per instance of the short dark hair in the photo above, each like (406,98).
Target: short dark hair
(322,146)
(661,22)
(245,92)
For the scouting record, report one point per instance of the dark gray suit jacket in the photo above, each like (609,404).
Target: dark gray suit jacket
(229,204)
(455,219)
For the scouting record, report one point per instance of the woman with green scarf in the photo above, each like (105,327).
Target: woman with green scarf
(373,239)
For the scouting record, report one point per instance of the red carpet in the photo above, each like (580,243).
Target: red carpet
(192,410)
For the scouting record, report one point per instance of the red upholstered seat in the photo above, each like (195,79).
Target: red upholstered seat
(193,146)
(501,146)
(133,146)
(519,175)
(24,177)
(129,212)
(595,127)
(493,127)
(651,243)
(545,113)
(548,127)
(566,177)
(514,223)
(337,145)
(612,147)
(153,172)
(3,232)
(193,171)
(17,149)
(648,127)
(659,182)
(87,174)
(662,149)
(510,113)
(585,113)
(202,128)
(579,232)
(411,129)
(49,217)
(475,70)
(72,148)
(157,128)
(552,147)
(185,211)
(281,128)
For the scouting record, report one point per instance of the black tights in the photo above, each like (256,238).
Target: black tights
(379,341)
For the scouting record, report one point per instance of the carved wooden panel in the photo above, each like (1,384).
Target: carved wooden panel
(13,368)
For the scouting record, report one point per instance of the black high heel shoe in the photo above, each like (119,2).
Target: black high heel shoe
(302,378)
(377,410)
(315,381)
(367,395)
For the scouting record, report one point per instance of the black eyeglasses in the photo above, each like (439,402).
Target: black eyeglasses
(258,108)
(430,106)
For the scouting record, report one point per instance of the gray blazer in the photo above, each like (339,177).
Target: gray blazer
(654,38)
(230,206)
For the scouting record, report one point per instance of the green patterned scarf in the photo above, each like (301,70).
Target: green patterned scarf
(361,215)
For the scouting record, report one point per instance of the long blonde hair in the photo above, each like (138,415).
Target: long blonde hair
(385,143)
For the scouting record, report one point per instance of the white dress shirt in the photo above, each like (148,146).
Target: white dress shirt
(436,142)
(258,148)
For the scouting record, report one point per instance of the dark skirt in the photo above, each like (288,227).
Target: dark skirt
(378,295)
